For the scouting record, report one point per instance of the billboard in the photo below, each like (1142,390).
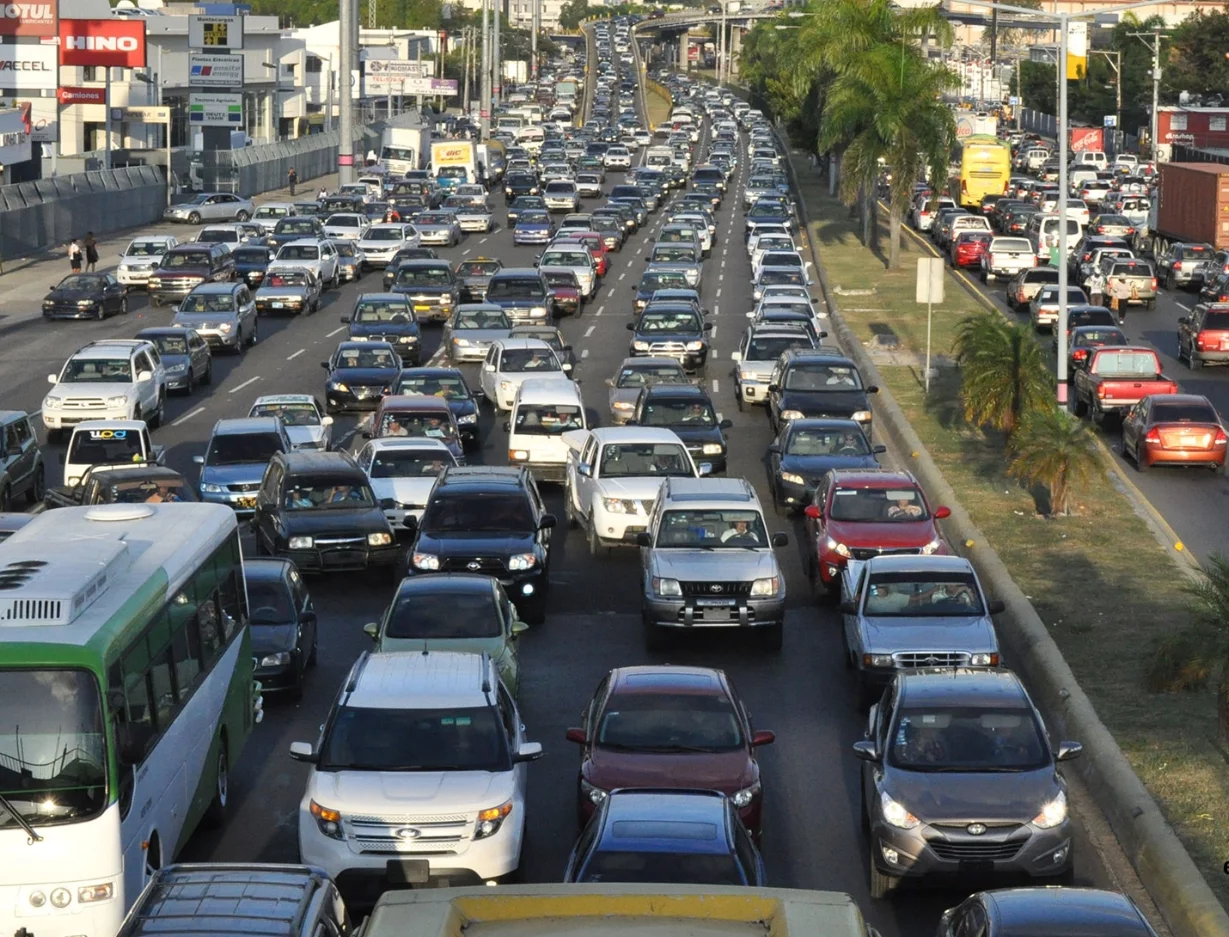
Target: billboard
(445,86)
(215,71)
(116,43)
(215,32)
(1087,140)
(44,119)
(81,95)
(14,137)
(28,19)
(387,74)
(1077,50)
(215,110)
(28,67)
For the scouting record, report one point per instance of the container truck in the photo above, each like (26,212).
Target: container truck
(403,148)
(1191,205)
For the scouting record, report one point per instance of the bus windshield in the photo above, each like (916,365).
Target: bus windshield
(52,746)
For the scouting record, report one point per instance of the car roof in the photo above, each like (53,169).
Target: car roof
(361,345)
(133,425)
(1188,399)
(649,361)
(407,402)
(421,680)
(917,563)
(1063,912)
(246,424)
(163,330)
(874,478)
(677,390)
(811,355)
(384,443)
(452,583)
(727,491)
(508,272)
(220,288)
(656,820)
(312,461)
(265,568)
(668,678)
(963,686)
(110,348)
(506,476)
(283,398)
(511,343)
(384,297)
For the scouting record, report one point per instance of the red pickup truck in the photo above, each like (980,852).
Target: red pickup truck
(1114,378)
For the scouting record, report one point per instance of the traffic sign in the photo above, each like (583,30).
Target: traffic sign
(1111,120)
(1013,101)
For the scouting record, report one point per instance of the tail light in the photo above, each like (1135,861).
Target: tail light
(1079,354)
(1223,298)
(1100,229)
(1132,231)
(1153,436)
(1101,390)
(1220,439)
(1177,265)
(964,187)
(1203,341)
(1154,282)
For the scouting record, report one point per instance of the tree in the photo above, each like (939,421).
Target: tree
(1038,86)
(1196,52)
(1003,371)
(1054,449)
(572,13)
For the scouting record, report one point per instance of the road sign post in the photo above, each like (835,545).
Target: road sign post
(929,291)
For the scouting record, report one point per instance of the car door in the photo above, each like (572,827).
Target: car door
(246,304)
(199,354)
(489,376)
(1134,424)
(328,262)
(1188,328)
(268,505)
(511,720)
(306,612)
(586,484)
(147,389)
(27,465)
(853,634)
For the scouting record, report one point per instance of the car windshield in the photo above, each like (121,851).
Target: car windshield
(669,321)
(779,276)
(319,493)
(662,280)
(362,739)
(97,370)
(379,311)
(434,218)
(878,505)
(243,448)
(968,740)
(1216,320)
(269,602)
(822,377)
(295,226)
(252,255)
(533,217)
(805,441)
(667,411)
(87,284)
(299,252)
(289,278)
(345,221)
(565,259)
(647,376)
(169,344)
(1191,253)
(186,259)
(416,277)
(710,529)
(208,302)
(1172,412)
(271,212)
(663,722)
(1100,337)
(450,614)
(149,491)
(478,268)
(547,419)
(410,462)
(770,210)
(367,358)
(922,595)
(218,236)
(528,359)
(671,255)
(385,234)
(645,459)
(146,249)
(292,414)
(770,348)
(53,748)
(96,446)
(424,425)
(647,867)
(472,512)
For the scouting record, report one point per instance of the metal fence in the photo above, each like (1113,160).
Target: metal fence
(256,169)
(51,212)
(1188,154)
(1046,125)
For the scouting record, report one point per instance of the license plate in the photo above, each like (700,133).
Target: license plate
(714,603)
(972,867)
(422,308)
(277,305)
(246,502)
(408,871)
(718,615)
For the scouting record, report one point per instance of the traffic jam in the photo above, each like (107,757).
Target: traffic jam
(536,398)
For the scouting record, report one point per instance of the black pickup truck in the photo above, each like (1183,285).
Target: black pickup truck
(124,483)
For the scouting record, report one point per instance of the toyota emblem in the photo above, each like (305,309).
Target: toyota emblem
(408,832)
(976,829)
(473,565)
(715,587)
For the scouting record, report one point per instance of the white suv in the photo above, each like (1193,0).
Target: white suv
(419,773)
(114,379)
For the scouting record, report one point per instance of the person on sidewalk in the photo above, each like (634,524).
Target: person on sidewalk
(1096,288)
(91,252)
(74,256)
(292,179)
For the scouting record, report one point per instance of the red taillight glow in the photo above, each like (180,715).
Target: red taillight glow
(1080,354)
(1154,282)
(1100,229)
(1221,439)
(1154,436)
(1177,265)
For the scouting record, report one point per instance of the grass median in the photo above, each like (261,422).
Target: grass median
(1099,580)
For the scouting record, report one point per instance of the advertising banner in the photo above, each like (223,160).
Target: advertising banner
(116,43)
(215,110)
(44,119)
(1087,140)
(215,71)
(445,86)
(28,19)
(28,67)
(81,95)
(215,32)
(1077,50)
(14,137)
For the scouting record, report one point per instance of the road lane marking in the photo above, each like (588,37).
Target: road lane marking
(335,331)
(589,330)
(187,416)
(250,380)
(599,311)
(296,354)
(1184,306)
(585,353)
(719,292)
(716,386)
(712,332)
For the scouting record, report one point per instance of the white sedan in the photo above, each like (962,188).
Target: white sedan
(617,157)
(140,257)
(347,226)
(402,472)
(306,423)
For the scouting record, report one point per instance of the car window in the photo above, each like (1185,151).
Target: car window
(497,512)
(877,505)
(711,528)
(947,738)
(909,595)
(426,615)
(460,739)
(95,446)
(270,602)
(292,414)
(664,722)
(696,869)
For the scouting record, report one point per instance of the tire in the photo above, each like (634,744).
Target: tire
(242,216)
(655,638)
(255,337)
(880,885)
(38,490)
(194,218)
(191,385)
(315,651)
(123,306)
(1194,360)
(155,418)
(595,543)
(569,512)
(534,610)
(296,689)
(208,378)
(6,499)
(102,312)
(772,637)
(1141,464)
(1080,407)
(215,813)
(1150,305)
(1169,282)
(155,301)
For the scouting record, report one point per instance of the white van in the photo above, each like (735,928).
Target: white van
(509,123)
(541,413)
(1079,175)
(531,138)
(1094,158)
(1043,233)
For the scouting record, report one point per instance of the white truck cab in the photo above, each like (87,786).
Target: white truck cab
(108,442)
(543,412)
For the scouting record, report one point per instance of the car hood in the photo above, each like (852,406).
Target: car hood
(248,472)
(369,329)
(934,797)
(365,376)
(727,772)
(479,543)
(145,262)
(198,318)
(72,296)
(814,466)
(403,490)
(947,633)
(305,435)
(725,564)
(623,395)
(632,487)
(412,793)
(269,292)
(269,639)
(335,521)
(433,225)
(885,534)
(173,361)
(696,435)
(653,337)
(817,403)
(484,336)
(422,290)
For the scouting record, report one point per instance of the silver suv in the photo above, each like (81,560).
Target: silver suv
(916,611)
(707,560)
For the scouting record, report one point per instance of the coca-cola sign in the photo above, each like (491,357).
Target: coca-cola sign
(28,19)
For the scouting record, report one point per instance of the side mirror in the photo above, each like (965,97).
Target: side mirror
(1184,320)
(942,511)
(488,366)
(302,751)
(345,320)
(198,459)
(762,737)
(708,326)
(547,522)
(372,630)
(780,539)
(737,355)
(813,512)
(631,326)
(528,751)
(725,424)
(866,750)
(996,606)
(519,627)
(644,539)
(507,426)
(879,450)
(849,608)
(774,388)
(51,379)
(327,421)
(325,365)
(584,468)
(705,468)
(774,447)
(576,735)
(1068,750)
(610,382)
(873,389)
(410,522)
(145,376)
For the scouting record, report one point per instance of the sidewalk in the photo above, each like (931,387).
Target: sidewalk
(24,282)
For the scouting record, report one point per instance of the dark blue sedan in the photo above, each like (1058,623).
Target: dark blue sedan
(806,449)
(533,227)
(450,384)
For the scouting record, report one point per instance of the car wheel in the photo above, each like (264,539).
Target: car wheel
(1193,359)
(595,543)
(1170,284)
(160,412)
(569,510)
(6,499)
(190,385)
(208,376)
(123,306)
(655,638)
(242,216)
(194,218)
(255,337)
(215,813)
(102,312)
(315,651)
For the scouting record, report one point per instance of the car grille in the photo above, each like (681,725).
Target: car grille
(716,588)
(442,835)
(245,486)
(907,659)
(83,403)
(366,393)
(178,283)
(667,348)
(486,564)
(866,553)
(976,850)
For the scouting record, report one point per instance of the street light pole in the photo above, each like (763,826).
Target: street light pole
(484,101)
(1155,48)
(345,147)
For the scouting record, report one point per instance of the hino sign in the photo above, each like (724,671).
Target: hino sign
(118,43)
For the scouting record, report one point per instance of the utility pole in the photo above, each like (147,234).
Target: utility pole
(345,148)
(723,48)
(484,100)
(468,38)
(372,8)
(533,39)
(1155,47)
(1115,60)
(497,78)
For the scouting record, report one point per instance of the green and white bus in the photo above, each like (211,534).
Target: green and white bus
(126,693)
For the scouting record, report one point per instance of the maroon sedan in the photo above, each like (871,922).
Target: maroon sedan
(669,727)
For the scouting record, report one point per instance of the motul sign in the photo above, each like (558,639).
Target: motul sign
(27,19)
(109,43)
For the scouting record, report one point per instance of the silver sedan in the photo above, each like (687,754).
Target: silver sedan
(211,206)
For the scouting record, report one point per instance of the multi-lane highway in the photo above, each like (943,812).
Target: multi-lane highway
(812,835)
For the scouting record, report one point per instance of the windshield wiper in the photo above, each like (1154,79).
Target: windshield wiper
(21,820)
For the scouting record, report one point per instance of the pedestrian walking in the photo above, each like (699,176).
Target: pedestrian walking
(1120,295)
(1096,288)
(323,193)
(811,158)
(91,252)
(292,178)
(74,256)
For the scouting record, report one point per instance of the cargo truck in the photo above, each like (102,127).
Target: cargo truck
(403,149)
(454,162)
(1191,205)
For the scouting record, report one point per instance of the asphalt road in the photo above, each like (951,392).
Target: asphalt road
(812,835)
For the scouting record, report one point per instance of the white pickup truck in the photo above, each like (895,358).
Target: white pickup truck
(108,442)
(1006,257)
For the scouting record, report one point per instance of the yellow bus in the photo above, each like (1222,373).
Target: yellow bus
(985,168)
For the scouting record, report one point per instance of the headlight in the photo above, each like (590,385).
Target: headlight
(984,660)
(748,376)
(538,311)
(301,543)
(623,405)
(862,416)
(1053,813)
(792,478)
(103,891)
(37,899)
(522,562)
(426,561)
(85,304)
(895,814)
(467,419)
(207,488)
(117,401)
(48,303)
(506,385)
(713,448)
(328,821)
(640,346)
(616,506)
(359,338)
(337,385)
(177,369)
(280,659)
(788,415)
(932,547)
(460,342)
(878,660)
(666,586)
(518,455)
(50,402)
(694,346)
(490,820)
(746,795)
(61,898)
(595,794)
(224,326)
(769,586)
(379,539)
(835,546)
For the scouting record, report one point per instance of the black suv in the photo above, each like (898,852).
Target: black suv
(406,253)
(296,228)
(816,382)
(317,509)
(671,330)
(181,269)
(686,409)
(490,520)
(431,286)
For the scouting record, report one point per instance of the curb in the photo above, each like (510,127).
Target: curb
(1154,850)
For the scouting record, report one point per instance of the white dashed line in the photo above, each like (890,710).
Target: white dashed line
(599,311)
(1185,306)
(712,332)
(589,330)
(622,275)
(466,252)
(187,416)
(250,380)
(719,291)
(585,353)
(335,331)
(482,241)
(716,308)
(296,354)
(716,386)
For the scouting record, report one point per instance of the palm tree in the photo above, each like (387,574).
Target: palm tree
(1054,449)
(1003,372)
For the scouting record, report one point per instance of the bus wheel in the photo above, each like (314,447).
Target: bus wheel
(215,813)
(153,856)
